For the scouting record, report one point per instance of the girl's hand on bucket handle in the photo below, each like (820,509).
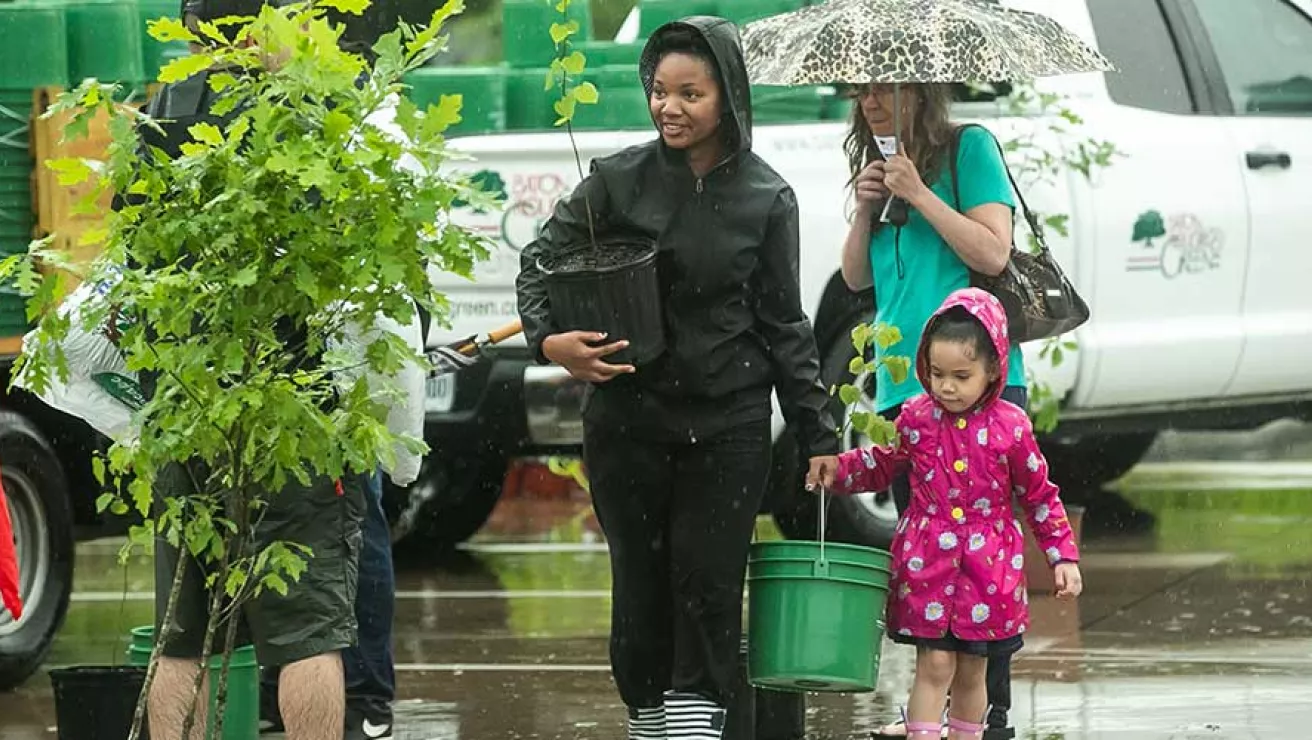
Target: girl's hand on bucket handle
(1069,581)
(580,353)
(822,472)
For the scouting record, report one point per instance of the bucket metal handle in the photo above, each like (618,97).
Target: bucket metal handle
(822,565)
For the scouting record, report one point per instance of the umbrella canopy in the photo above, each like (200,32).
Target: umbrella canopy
(912,41)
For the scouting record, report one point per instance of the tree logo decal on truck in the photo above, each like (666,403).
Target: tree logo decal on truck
(1174,246)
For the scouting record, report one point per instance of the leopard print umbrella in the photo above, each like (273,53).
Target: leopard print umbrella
(910,41)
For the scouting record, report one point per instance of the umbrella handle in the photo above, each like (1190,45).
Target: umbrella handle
(503,333)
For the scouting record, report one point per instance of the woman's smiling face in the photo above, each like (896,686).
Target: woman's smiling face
(685,101)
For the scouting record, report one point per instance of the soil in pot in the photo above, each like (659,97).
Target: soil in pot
(612,288)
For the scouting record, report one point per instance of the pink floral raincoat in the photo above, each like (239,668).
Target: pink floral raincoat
(959,549)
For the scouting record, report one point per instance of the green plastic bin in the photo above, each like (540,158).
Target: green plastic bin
(621,103)
(815,614)
(482,91)
(104,41)
(528,104)
(743,12)
(525,25)
(652,14)
(34,51)
(241,719)
(772,104)
(156,54)
(610,53)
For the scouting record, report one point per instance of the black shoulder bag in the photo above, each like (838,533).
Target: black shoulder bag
(1039,299)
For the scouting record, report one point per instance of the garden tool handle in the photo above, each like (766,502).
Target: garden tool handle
(503,333)
(823,525)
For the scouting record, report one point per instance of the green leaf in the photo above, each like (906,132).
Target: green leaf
(881,431)
(574,63)
(562,31)
(856,366)
(849,394)
(444,115)
(565,109)
(206,133)
(887,335)
(222,81)
(70,170)
(550,81)
(168,30)
(104,500)
(336,125)
(354,7)
(586,93)
(183,67)
(898,368)
(275,583)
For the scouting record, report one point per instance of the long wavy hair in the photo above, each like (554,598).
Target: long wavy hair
(927,140)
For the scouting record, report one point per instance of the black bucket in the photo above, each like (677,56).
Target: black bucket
(621,297)
(96,702)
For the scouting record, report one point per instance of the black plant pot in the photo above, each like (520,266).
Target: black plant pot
(96,702)
(613,289)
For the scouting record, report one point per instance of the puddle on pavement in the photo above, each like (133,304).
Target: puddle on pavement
(1199,626)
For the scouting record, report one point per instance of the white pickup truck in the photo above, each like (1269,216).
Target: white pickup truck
(1194,251)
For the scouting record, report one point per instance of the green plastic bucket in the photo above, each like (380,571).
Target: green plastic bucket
(815,615)
(35,48)
(241,719)
(104,41)
(525,25)
(482,91)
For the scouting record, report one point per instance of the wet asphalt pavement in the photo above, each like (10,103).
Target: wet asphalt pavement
(1196,622)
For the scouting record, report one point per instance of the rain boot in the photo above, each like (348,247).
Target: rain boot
(647,723)
(959,729)
(693,717)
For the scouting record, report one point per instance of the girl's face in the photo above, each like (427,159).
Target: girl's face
(958,376)
(876,103)
(685,101)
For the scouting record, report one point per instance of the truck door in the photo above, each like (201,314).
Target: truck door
(1259,53)
(1169,223)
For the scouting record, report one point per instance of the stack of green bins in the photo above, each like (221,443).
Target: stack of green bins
(33,54)
(156,54)
(104,42)
(528,51)
(482,91)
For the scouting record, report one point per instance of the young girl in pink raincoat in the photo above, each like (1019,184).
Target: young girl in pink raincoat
(958,590)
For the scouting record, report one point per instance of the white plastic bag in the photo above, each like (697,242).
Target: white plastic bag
(405,417)
(100,390)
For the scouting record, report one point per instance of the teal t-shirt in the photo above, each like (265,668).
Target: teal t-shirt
(930,269)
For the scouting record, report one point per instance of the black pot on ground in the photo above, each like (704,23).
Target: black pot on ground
(93,702)
(612,288)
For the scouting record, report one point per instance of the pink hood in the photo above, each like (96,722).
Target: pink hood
(986,309)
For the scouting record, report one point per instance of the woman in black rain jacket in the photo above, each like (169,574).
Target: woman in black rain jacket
(678,450)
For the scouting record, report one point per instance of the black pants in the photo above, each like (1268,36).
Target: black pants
(678,519)
(998,677)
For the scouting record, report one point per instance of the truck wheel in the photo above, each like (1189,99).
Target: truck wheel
(864,519)
(43,532)
(1081,466)
(447,505)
